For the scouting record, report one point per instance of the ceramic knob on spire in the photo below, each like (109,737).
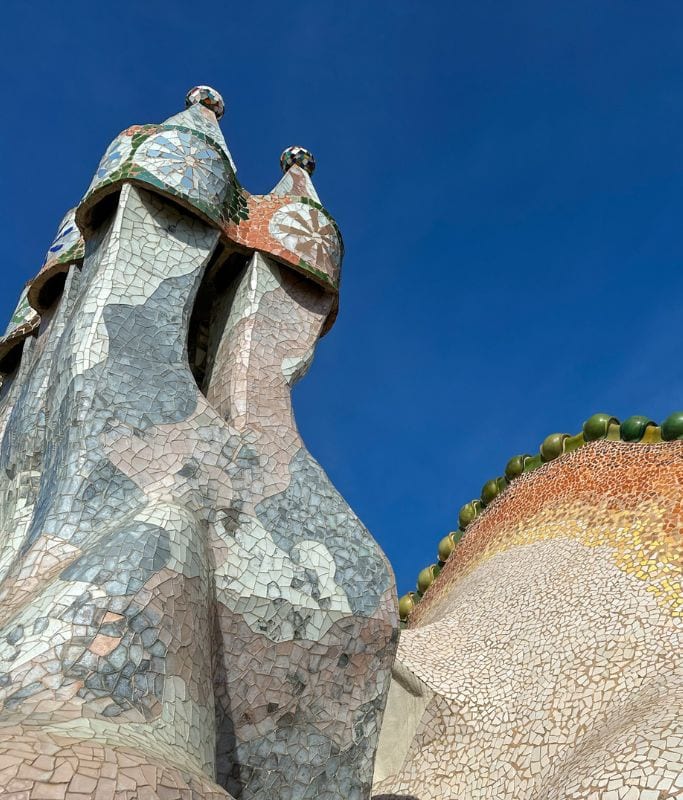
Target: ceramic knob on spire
(299,156)
(206,96)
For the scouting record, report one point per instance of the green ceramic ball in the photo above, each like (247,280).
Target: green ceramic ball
(596,427)
(489,491)
(515,467)
(633,428)
(406,604)
(446,547)
(468,513)
(448,544)
(426,578)
(672,427)
(553,446)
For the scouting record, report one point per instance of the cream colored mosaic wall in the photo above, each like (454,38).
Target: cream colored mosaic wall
(549,649)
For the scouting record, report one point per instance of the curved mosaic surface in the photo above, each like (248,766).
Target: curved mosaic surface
(299,156)
(187,159)
(67,248)
(548,653)
(115,156)
(188,607)
(181,160)
(637,428)
(68,241)
(206,96)
(22,316)
(308,232)
(23,323)
(186,163)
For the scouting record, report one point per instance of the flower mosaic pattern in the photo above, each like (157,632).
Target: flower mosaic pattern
(185,163)
(306,231)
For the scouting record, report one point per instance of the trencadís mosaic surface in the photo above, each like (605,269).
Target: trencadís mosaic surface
(188,608)
(636,428)
(544,658)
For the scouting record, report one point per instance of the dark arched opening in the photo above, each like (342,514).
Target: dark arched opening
(210,311)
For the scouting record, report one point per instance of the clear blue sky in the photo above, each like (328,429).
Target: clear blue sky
(508,178)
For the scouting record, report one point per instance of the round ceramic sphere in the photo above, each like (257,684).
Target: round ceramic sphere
(633,428)
(515,466)
(672,427)
(445,548)
(553,446)
(468,513)
(427,577)
(297,155)
(406,604)
(206,96)
(596,427)
(490,490)
(448,544)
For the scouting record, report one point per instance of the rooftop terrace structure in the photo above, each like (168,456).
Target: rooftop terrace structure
(188,608)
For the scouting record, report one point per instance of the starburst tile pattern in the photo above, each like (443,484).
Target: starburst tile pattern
(306,231)
(187,159)
(186,163)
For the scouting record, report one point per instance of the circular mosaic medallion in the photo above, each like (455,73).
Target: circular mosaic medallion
(185,163)
(308,232)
